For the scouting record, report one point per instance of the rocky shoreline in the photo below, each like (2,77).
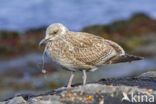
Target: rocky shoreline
(105,91)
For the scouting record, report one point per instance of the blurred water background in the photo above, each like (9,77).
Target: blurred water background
(21,15)
(131,23)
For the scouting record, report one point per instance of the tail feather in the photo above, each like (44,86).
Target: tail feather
(125,58)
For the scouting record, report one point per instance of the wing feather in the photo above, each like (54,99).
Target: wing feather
(90,49)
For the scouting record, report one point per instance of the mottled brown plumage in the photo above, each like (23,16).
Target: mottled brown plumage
(79,51)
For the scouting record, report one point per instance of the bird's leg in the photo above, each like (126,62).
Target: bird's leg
(84,77)
(70,79)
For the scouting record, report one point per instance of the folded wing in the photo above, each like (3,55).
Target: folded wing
(92,50)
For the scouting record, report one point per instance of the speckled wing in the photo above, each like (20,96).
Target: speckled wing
(90,49)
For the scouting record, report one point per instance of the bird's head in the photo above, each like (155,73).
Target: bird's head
(53,31)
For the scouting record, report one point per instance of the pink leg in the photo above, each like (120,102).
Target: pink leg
(84,77)
(70,79)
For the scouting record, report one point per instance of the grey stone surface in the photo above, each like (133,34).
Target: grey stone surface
(47,99)
(151,74)
(102,92)
(17,100)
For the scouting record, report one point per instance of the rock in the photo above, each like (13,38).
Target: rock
(49,99)
(151,74)
(15,100)
(127,90)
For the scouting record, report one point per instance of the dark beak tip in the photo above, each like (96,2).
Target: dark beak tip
(41,42)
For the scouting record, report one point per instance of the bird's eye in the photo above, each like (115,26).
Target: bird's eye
(54,32)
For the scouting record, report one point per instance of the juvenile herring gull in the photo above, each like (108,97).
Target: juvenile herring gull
(80,51)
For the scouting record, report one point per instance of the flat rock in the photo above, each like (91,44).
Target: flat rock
(129,90)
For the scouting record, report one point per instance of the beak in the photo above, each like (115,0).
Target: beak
(43,41)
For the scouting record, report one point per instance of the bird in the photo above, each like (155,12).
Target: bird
(81,51)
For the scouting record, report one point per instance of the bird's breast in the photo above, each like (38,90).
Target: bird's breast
(60,52)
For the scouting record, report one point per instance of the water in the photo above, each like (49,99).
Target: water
(115,70)
(21,15)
